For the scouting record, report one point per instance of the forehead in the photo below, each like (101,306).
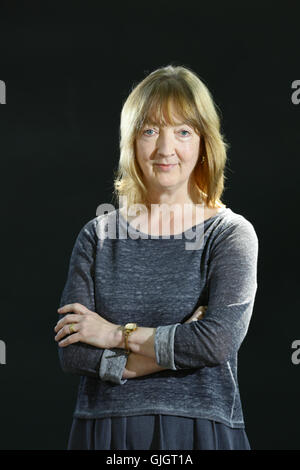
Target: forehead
(165,114)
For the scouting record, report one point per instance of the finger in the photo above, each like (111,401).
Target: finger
(76,307)
(197,316)
(202,308)
(70,340)
(65,331)
(193,318)
(70,318)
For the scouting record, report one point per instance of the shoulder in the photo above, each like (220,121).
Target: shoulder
(237,229)
(96,228)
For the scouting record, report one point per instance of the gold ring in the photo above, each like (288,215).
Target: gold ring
(71,329)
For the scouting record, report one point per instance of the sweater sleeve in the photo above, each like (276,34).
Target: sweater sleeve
(82,358)
(231,286)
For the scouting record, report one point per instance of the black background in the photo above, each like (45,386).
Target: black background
(68,67)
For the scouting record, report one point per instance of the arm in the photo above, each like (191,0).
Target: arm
(232,285)
(139,365)
(82,358)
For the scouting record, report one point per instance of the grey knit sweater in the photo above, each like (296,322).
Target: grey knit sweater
(158,282)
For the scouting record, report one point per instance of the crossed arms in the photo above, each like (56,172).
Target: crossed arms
(232,287)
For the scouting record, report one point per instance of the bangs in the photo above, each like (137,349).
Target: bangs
(169,104)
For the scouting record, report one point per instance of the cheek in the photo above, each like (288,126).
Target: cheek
(189,156)
(143,152)
(142,157)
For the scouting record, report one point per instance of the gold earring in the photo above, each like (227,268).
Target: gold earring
(202,159)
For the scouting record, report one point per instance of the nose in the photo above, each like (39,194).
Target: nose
(165,144)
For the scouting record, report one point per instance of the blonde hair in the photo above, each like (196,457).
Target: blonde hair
(149,100)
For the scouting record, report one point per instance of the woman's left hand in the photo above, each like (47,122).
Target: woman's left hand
(87,327)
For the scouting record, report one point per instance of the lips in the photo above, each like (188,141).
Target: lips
(165,166)
(164,163)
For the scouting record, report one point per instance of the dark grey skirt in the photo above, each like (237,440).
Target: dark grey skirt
(155,432)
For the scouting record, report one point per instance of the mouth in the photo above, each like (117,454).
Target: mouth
(165,167)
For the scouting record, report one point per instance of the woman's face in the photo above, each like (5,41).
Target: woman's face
(177,146)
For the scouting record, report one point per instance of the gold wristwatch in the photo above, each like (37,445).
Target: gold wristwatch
(127,330)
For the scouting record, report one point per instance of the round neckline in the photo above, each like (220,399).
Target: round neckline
(170,236)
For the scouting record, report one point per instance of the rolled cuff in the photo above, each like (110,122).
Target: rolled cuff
(112,364)
(164,346)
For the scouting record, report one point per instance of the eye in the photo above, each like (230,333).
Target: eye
(148,130)
(186,135)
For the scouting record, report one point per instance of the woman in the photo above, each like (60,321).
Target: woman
(169,379)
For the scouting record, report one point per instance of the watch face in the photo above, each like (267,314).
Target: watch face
(130,325)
